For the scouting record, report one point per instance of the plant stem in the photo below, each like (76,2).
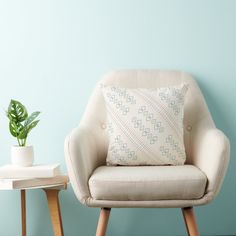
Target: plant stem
(18,142)
(24,143)
(21,142)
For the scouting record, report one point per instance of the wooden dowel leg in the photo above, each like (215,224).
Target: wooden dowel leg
(54,208)
(190,222)
(102,222)
(23,212)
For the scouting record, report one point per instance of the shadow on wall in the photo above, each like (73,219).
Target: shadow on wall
(140,222)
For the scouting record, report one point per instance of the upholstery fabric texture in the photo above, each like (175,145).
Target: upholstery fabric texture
(141,183)
(145,126)
(206,147)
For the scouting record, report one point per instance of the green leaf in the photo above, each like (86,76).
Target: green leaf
(31,118)
(23,134)
(26,129)
(16,111)
(32,125)
(15,128)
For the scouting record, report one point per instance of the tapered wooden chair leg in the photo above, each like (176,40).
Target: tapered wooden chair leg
(102,222)
(190,222)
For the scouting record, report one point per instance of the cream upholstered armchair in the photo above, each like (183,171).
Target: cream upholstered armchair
(195,183)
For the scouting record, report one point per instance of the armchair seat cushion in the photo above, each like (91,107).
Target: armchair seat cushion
(141,183)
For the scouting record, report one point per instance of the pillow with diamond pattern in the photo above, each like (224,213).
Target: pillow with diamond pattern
(145,126)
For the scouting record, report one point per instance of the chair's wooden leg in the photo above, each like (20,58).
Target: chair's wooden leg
(102,222)
(190,222)
(23,212)
(54,208)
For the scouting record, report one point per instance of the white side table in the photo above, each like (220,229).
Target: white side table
(52,192)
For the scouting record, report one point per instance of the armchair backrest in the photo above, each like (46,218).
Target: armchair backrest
(195,108)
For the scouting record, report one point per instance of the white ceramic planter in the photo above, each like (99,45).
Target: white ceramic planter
(22,156)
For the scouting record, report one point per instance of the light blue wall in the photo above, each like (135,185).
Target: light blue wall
(53,52)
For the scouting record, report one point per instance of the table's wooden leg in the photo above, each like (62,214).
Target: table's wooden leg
(54,208)
(23,212)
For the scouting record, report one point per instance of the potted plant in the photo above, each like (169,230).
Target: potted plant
(20,124)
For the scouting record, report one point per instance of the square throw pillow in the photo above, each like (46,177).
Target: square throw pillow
(145,126)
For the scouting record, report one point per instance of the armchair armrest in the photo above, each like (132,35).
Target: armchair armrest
(81,159)
(210,153)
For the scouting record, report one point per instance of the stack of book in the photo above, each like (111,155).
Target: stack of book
(16,177)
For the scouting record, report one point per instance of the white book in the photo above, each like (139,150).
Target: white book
(7,184)
(36,171)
